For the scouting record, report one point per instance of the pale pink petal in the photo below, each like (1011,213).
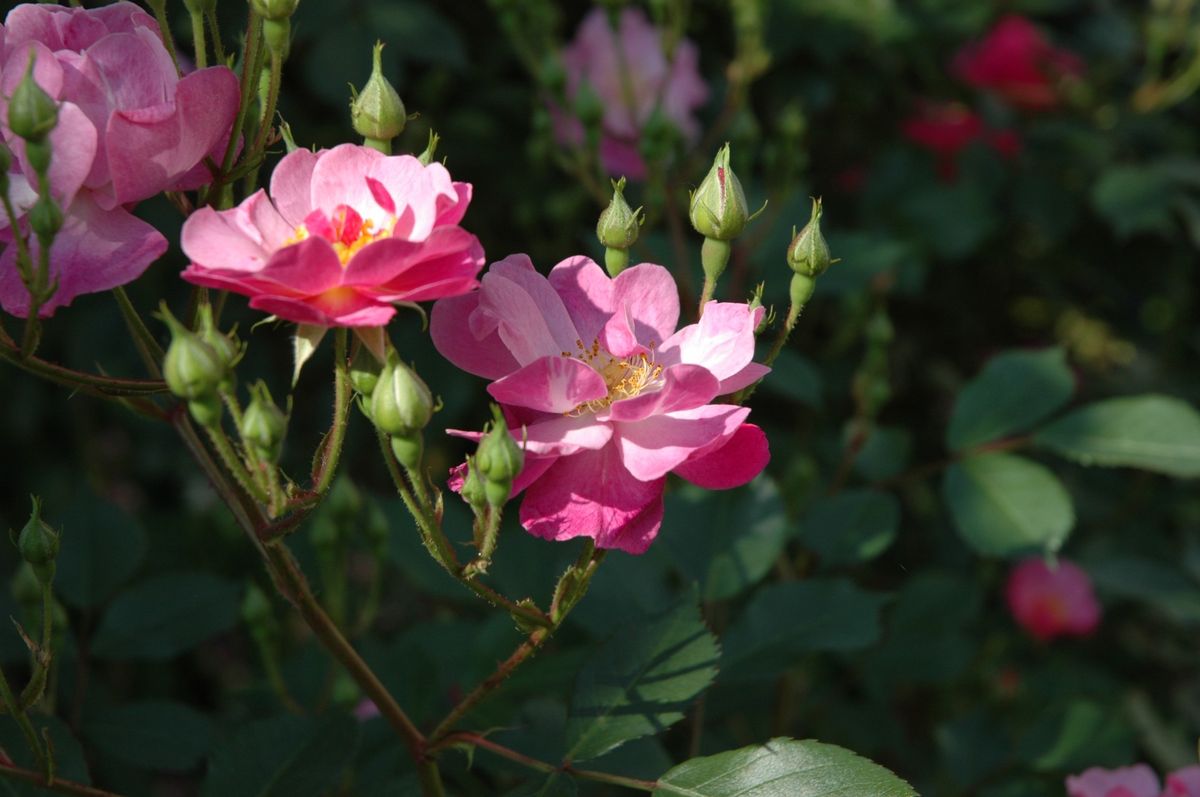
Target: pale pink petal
(291,185)
(308,267)
(73,144)
(741,458)
(411,188)
(744,378)
(561,434)
(339,178)
(722,342)
(684,387)
(47,71)
(1135,781)
(586,292)
(590,494)
(482,355)
(261,222)
(214,239)
(128,68)
(378,262)
(1184,782)
(646,309)
(344,308)
(551,384)
(654,447)
(528,314)
(96,250)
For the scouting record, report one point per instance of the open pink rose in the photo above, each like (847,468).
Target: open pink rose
(1183,782)
(1016,62)
(1135,781)
(343,234)
(632,76)
(947,128)
(128,128)
(1052,601)
(603,392)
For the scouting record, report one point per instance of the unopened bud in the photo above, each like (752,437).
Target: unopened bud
(263,424)
(193,370)
(808,253)
(472,489)
(38,544)
(227,348)
(32,113)
(45,219)
(377,112)
(277,33)
(499,459)
(618,228)
(206,410)
(401,403)
(274,9)
(718,209)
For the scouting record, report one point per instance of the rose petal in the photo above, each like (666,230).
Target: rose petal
(735,463)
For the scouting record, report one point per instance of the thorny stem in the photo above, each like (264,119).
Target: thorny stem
(477,740)
(215,31)
(268,115)
(331,446)
(56,785)
(233,463)
(92,384)
(199,45)
(249,81)
(18,713)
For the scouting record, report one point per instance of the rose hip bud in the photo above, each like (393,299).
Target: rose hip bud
(264,425)
(808,254)
(32,113)
(377,112)
(499,460)
(38,544)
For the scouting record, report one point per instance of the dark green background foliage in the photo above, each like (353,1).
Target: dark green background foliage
(1000,365)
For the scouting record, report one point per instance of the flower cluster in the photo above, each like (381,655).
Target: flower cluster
(129,127)
(632,77)
(1052,600)
(604,394)
(1135,781)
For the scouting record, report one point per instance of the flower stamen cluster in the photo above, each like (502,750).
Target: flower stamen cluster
(625,377)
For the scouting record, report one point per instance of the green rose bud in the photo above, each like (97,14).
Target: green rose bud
(277,33)
(38,544)
(499,459)
(263,424)
(473,488)
(808,253)
(206,410)
(274,9)
(401,403)
(377,112)
(193,370)
(227,348)
(718,208)
(617,229)
(45,219)
(32,113)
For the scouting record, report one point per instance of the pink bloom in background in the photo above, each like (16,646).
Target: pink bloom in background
(343,234)
(1183,783)
(128,128)
(947,128)
(1135,781)
(1052,601)
(630,73)
(1015,61)
(606,396)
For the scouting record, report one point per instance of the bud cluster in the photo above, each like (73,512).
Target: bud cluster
(497,461)
(401,406)
(199,365)
(377,111)
(719,212)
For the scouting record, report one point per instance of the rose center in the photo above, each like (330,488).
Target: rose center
(346,230)
(625,377)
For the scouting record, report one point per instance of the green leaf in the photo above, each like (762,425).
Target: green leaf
(157,736)
(166,615)
(282,757)
(728,540)
(1004,505)
(640,682)
(785,621)
(782,768)
(1151,432)
(795,377)
(1135,199)
(418,32)
(1156,584)
(852,526)
(101,548)
(1013,393)
(1073,737)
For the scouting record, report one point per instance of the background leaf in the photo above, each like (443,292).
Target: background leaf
(166,615)
(101,548)
(782,768)
(151,735)
(641,681)
(1011,394)
(282,757)
(1152,432)
(851,527)
(1004,505)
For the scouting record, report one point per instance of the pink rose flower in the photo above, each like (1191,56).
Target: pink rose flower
(1183,782)
(632,77)
(603,392)
(1052,601)
(343,234)
(128,128)
(1015,61)
(1135,781)
(947,128)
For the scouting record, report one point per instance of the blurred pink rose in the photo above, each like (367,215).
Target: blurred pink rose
(1052,601)
(1183,782)
(343,234)
(603,392)
(128,128)
(631,75)
(947,128)
(1135,781)
(1015,61)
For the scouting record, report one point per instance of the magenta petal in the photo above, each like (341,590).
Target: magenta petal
(590,494)
(446,264)
(1184,782)
(550,384)
(735,463)
(73,142)
(378,262)
(654,447)
(684,387)
(587,293)
(308,267)
(1135,781)
(291,185)
(482,355)
(451,211)
(148,152)
(347,309)
(96,250)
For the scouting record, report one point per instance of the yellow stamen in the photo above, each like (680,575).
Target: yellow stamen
(625,377)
